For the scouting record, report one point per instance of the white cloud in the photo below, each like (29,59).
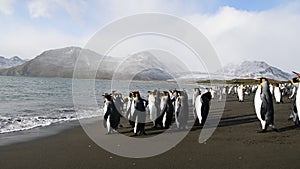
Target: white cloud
(29,42)
(6,7)
(272,36)
(39,8)
(49,8)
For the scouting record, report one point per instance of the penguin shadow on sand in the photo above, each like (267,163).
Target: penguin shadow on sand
(238,120)
(288,128)
(232,120)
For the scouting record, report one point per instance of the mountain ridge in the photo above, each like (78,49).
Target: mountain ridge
(254,70)
(139,66)
(10,62)
(61,63)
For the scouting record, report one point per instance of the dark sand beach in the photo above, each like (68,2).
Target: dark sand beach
(235,144)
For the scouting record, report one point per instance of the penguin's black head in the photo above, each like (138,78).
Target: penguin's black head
(295,80)
(166,93)
(108,96)
(263,79)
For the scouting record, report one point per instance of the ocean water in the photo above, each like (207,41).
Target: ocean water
(28,103)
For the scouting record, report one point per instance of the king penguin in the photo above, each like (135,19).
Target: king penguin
(240,92)
(152,107)
(264,105)
(202,105)
(295,99)
(111,114)
(196,93)
(298,101)
(277,94)
(181,110)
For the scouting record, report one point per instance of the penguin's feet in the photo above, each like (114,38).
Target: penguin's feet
(114,131)
(275,129)
(262,131)
(297,122)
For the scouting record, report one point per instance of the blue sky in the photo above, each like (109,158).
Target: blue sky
(257,29)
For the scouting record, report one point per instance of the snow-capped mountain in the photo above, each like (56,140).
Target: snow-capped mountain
(61,63)
(11,62)
(147,66)
(254,70)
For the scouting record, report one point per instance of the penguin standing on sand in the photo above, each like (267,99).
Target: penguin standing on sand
(264,106)
(295,97)
(111,114)
(181,110)
(139,114)
(167,111)
(202,105)
(240,92)
(152,107)
(130,109)
(277,94)
(298,101)
(196,93)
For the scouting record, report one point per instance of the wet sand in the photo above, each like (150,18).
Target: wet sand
(235,144)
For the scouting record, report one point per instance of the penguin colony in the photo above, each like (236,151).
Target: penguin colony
(167,109)
(163,108)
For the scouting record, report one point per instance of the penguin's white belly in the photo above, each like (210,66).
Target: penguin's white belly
(298,102)
(153,111)
(240,95)
(177,110)
(230,89)
(198,105)
(108,124)
(224,91)
(162,102)
(132,110)
(277,94)
(235,90)
(164,120)
(257,105)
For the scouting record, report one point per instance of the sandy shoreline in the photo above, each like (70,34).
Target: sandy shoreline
(235,144)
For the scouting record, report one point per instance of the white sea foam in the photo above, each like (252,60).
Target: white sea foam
(27,122)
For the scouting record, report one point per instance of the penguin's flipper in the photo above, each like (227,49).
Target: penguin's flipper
(198,105)
(298,103)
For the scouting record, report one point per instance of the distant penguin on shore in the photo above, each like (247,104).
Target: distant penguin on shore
(111,114)
(240,92)
(295,97)
(298,101)
(166,112)
(230,90)
(196,93)
(277,94)
(139,114)
(263,104)
(181,110)
(202,105)
(152,107)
